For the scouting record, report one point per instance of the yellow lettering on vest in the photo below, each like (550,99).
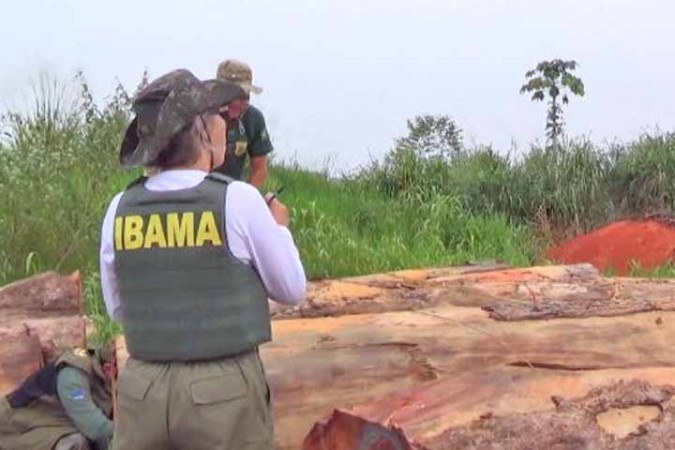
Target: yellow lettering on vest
(208,231)
(180,229)
(133,232)
(154,235)
(118,233)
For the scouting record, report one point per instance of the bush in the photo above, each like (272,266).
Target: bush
(642,179)
(562,187)
(561,190)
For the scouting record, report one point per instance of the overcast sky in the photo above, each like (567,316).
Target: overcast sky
(341,77)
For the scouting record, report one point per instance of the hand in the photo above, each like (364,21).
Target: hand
(279,210)
(110,370)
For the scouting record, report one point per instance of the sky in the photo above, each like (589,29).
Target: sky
(341,77)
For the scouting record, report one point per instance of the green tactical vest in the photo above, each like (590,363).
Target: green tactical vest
(41,422)
(183,296)
(100,391)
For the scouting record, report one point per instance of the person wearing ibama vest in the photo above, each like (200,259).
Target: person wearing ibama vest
(188,262)
(65,405)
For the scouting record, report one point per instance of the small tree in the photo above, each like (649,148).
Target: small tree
(432,136)
(553,78)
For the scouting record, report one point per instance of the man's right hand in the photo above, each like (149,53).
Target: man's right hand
(279,210)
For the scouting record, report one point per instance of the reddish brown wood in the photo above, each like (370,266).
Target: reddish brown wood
(417,350)
(44,293)
(20,355)
(618,416)
(39,317)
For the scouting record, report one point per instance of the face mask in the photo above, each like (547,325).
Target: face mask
(236,109)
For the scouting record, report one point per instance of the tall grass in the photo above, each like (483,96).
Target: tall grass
(560,191)
(342,229)
(58,169)
(642,179)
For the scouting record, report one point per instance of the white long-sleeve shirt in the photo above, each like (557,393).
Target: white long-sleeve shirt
(253,237)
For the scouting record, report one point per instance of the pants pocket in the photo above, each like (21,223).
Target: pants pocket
(134,421)
(218,389)
(133,386)
(268,388)
(215,411)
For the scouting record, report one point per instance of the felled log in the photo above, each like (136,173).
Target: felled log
(54,333)
(623,415)
(395,291)
(619,416)
(20,356)
(44,293)
(39,316)
(340,363)
(420,353)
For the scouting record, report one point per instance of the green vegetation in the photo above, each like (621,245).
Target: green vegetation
(416,208)
(343,229)
(559,190)
(665,271)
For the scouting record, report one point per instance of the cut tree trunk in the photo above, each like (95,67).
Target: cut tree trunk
(618,416)
(20,356)
(39,316)
(410,358)
(56,333)
(45,293)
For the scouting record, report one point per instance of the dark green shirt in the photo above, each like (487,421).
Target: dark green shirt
(247,136)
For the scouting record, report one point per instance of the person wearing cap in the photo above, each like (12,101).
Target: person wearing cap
(247,135)
(189,259)
(66,405)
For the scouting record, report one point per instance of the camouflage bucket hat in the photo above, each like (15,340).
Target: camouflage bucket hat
(165,107)
(238,72)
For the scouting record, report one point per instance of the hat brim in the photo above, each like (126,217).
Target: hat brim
(135,151)
(248,87)
(129,143)
(221,92)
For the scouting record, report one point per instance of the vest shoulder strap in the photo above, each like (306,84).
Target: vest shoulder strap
(137,181)
(78,358)
(216,176)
